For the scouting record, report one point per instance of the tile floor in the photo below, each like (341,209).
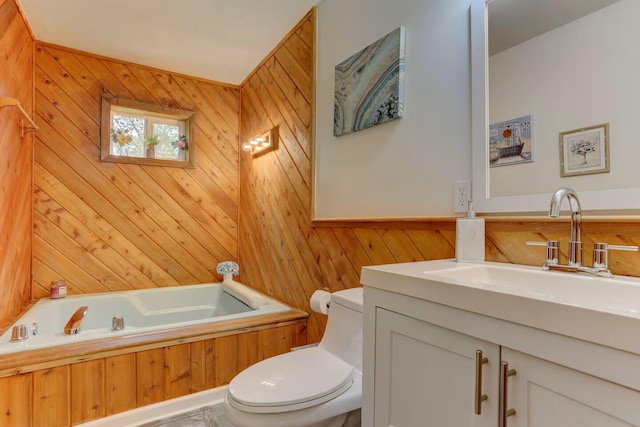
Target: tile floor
(213,416)
(207,416)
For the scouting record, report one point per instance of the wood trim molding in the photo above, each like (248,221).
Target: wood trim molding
(110,104)
(24,18)
(544,218)
(427,223)
(627,223)
(314,73)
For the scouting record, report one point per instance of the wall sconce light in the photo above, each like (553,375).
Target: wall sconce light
(262,143)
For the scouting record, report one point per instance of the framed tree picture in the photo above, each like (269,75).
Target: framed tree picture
(584,151)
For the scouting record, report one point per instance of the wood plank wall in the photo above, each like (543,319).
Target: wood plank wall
(506,240)
(285,255)
(111,226)
(16,81)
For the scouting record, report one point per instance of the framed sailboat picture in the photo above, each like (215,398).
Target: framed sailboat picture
(510,142)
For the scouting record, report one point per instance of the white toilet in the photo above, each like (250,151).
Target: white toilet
(314,387)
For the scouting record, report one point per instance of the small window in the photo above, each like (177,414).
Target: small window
(148,134)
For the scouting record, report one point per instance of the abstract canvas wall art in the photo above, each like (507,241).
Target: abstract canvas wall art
(369,85)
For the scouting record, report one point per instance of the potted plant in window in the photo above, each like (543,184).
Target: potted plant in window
(152,141)
(121,139)
(182,144)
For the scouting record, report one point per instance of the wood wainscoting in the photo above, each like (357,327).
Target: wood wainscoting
(63,387)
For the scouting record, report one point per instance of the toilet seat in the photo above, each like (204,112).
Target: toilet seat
(290,382)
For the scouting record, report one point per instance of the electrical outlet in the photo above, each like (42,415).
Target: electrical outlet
(461,195)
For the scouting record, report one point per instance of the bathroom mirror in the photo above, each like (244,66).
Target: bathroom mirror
(569,65)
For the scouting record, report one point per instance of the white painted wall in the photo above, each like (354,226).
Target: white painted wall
(582,74)
(404,168)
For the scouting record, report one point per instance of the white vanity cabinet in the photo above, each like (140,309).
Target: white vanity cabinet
(420,367)
(545,394)
(426,375)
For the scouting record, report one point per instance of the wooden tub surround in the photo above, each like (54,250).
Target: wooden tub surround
(71,384)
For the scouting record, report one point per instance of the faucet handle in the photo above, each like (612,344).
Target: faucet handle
(552,250)
(601,253)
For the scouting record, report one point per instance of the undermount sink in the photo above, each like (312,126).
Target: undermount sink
(596,309)
(620,295)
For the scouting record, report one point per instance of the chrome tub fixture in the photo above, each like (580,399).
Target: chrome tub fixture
(74,324)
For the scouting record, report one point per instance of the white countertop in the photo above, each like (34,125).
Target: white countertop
(602,310)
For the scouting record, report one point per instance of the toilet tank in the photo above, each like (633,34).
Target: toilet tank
(343,334)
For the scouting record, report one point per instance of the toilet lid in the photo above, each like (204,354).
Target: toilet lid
(291,381)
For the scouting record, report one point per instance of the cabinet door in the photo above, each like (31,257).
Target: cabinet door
(425,375)
(545,394)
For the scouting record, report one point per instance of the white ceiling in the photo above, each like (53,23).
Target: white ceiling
(221,40)
(512,22)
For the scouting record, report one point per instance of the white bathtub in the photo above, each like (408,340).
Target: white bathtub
(142,310)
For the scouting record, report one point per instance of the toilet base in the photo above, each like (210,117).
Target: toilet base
(243,419)
(354,419)
(351,419)
(334,422)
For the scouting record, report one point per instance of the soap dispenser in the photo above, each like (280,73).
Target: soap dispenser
(470,237)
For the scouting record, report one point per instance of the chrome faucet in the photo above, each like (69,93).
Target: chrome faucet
(74,324)
(575,244)
(574,262)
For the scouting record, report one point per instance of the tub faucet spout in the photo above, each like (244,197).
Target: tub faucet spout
(575,244)
(74,324)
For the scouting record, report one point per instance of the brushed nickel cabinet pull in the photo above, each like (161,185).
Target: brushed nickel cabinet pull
(479,397)
(505,373)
